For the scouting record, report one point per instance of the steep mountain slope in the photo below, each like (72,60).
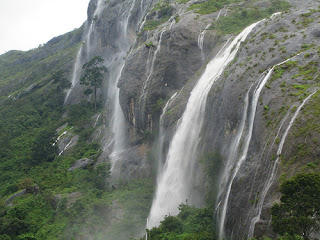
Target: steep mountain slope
(195,107)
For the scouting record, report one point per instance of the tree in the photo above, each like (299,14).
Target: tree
(63,83)
(93,76)
(43,149)
(299,210)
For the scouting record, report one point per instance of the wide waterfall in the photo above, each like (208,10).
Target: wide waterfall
(175,183)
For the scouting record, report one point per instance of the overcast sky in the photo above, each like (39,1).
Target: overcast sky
(24,24)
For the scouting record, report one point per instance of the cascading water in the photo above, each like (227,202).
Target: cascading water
(75,74)
(144,92)
(160,141)
(150,71)
(113,48)
(202,34)
(274,169)
(117,65)
(80,58)
(238,152)
(175,183)
(201,40)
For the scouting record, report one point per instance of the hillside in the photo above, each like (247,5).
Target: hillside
(206,110)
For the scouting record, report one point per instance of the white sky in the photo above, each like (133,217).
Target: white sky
(24,24)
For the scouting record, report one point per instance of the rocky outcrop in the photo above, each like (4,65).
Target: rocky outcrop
(81,164)
(161,63)
(31,190)
(168,59)
(273,42)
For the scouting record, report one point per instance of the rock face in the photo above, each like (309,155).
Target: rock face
(157,67)
(168,59)
(259,126)
(32,190)
(82,163)
(254,188)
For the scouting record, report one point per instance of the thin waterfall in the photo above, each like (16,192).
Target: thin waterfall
(118,123)
(145,85)
(202,34)
(201,40)
(160,141)
(144,91)
(175,183)
(143,22)
(273,172)
(235,161)
(219,14)
(79,59)
(118,119)
(75,74)
(114,58)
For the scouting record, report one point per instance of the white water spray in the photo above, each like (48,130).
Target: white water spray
(175,183)
(273,172)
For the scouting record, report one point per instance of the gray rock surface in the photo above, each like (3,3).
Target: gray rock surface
(81,163)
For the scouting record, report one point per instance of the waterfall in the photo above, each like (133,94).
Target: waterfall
(117,45)
(202,34)
(118,123)
(161,137)
(75,74)
(144,92)
(201,40)
(175,183)
(274,169)
(118,118)
(79,59)
(150,71)
(235,161)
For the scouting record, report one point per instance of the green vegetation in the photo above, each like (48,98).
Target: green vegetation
(151,24)
(57,203)
(164,12)
(242,17)
(93,76)
(37,66)
(299,210)
(212,163)
(210,6)
(190,223)
(149,44)
(157,107)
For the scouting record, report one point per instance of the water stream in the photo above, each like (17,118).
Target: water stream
(175,183)
(238,152)
(274,169)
